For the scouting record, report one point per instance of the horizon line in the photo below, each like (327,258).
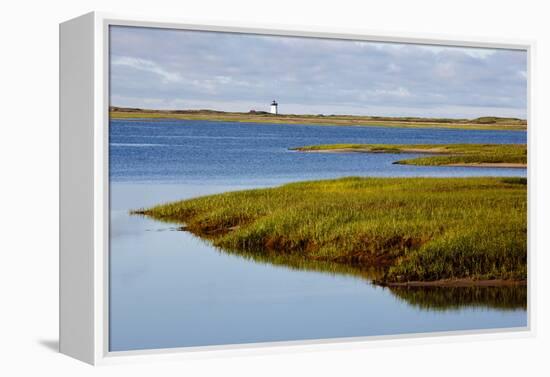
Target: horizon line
(264,112)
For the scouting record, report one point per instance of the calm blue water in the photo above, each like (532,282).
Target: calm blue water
(170,289)
(228,153)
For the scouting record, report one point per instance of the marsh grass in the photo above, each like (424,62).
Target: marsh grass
(413,229)
(486,123)
(440,154)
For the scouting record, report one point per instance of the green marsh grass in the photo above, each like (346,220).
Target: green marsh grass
(440,154)
(412,229)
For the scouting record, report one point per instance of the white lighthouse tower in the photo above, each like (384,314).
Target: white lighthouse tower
(274,107)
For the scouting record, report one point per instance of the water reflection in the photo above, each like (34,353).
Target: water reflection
(296,261)
(431,298)
(511,297)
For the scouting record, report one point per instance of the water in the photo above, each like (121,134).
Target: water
(171,289)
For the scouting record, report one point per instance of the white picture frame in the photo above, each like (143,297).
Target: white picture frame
(84,189)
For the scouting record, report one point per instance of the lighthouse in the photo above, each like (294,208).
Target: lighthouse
(274,107)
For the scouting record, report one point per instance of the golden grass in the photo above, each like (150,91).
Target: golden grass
(412,229)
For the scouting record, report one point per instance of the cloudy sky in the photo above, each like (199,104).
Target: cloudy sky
(175,69)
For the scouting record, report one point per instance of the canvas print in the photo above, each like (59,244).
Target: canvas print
(272,188)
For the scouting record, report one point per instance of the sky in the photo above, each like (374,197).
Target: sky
(180,69)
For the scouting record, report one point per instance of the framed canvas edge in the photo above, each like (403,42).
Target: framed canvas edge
(103,20)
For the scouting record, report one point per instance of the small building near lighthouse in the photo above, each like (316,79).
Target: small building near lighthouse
(274,109)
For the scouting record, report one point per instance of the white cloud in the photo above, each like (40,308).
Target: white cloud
(445,70)
(147,66)
(394,68)
(480,53)
(398,92)
(477,53)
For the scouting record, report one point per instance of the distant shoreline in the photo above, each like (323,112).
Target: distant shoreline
(482,123)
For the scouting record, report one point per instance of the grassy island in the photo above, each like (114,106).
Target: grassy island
(482,123)
(410,229)
(481,155)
